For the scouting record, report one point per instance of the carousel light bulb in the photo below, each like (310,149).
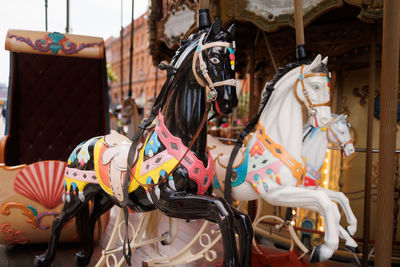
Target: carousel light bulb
(325,183)
(326,160)
(326,171)
(321,228)
(293,212)
(292,223)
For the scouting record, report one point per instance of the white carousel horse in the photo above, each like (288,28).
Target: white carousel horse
(315,143)
(271,166)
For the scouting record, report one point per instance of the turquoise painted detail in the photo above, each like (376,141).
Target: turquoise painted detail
(231,50)
(72,157)
(314,129)
(241,171)
(216,184)
(162,173)
(149,180)
(198,49)
(34,211)
(256,177)
(152,145)
(170,178)
(74,186)
(269,171)
(301,77)
(55,37)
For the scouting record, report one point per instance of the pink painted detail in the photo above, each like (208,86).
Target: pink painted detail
(258,148)
(81,175)
(13,236)
(275,167)
(308,181)
(151,162)
(42,182)
(196,170)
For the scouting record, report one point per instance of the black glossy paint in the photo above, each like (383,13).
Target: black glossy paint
(183,111)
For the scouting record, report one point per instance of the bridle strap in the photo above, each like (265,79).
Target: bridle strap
(198,55)
(308,103)
(335,135)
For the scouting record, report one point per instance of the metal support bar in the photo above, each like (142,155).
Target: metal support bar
(368,160)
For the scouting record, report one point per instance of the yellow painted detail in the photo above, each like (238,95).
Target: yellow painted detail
(80,184)
(323,129)
(96,154)
(154,174)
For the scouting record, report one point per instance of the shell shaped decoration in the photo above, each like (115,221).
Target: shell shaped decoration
(42,182)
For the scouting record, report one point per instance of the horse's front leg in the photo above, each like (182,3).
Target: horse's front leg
(189,206)
(344,202)
(290,196)
(245,231)
(101,203)
(69,210)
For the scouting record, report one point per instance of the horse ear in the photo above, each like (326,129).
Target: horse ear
(232,30)
(314,64)
(325,60)
(215,28)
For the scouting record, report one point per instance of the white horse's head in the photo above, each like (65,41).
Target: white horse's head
(339,133)
(313,89)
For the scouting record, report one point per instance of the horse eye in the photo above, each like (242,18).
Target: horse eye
(315,87)
(214,60)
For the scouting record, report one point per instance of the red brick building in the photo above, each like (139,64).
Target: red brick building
(144,80)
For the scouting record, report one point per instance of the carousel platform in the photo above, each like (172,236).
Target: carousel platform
(23,255)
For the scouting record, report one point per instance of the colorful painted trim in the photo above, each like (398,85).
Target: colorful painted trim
(151,170)
(54,42)
(297,169)
(195,167)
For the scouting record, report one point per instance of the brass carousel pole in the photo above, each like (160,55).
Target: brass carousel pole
(299,28)
(387,133)
(368,160)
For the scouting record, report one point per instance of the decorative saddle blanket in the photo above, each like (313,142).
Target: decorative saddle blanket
(267,158)
(103,160)
(160,154)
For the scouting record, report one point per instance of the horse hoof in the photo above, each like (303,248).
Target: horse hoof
(81,260)
(40,261)
(315,254)
(355,250)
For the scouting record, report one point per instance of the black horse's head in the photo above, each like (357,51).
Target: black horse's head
(214,65)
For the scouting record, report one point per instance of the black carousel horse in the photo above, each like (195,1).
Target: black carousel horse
(171,170)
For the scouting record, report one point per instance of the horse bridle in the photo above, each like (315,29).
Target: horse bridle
(340,143)
(209,84)
(308,103)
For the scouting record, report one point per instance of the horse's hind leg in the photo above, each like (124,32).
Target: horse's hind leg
(244,229)
(101,203)
(68,212)
(344,202)
(184,206)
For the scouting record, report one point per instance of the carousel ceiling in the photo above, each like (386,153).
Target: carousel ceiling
(171,21)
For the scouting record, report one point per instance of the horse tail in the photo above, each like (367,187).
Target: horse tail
(82,225)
